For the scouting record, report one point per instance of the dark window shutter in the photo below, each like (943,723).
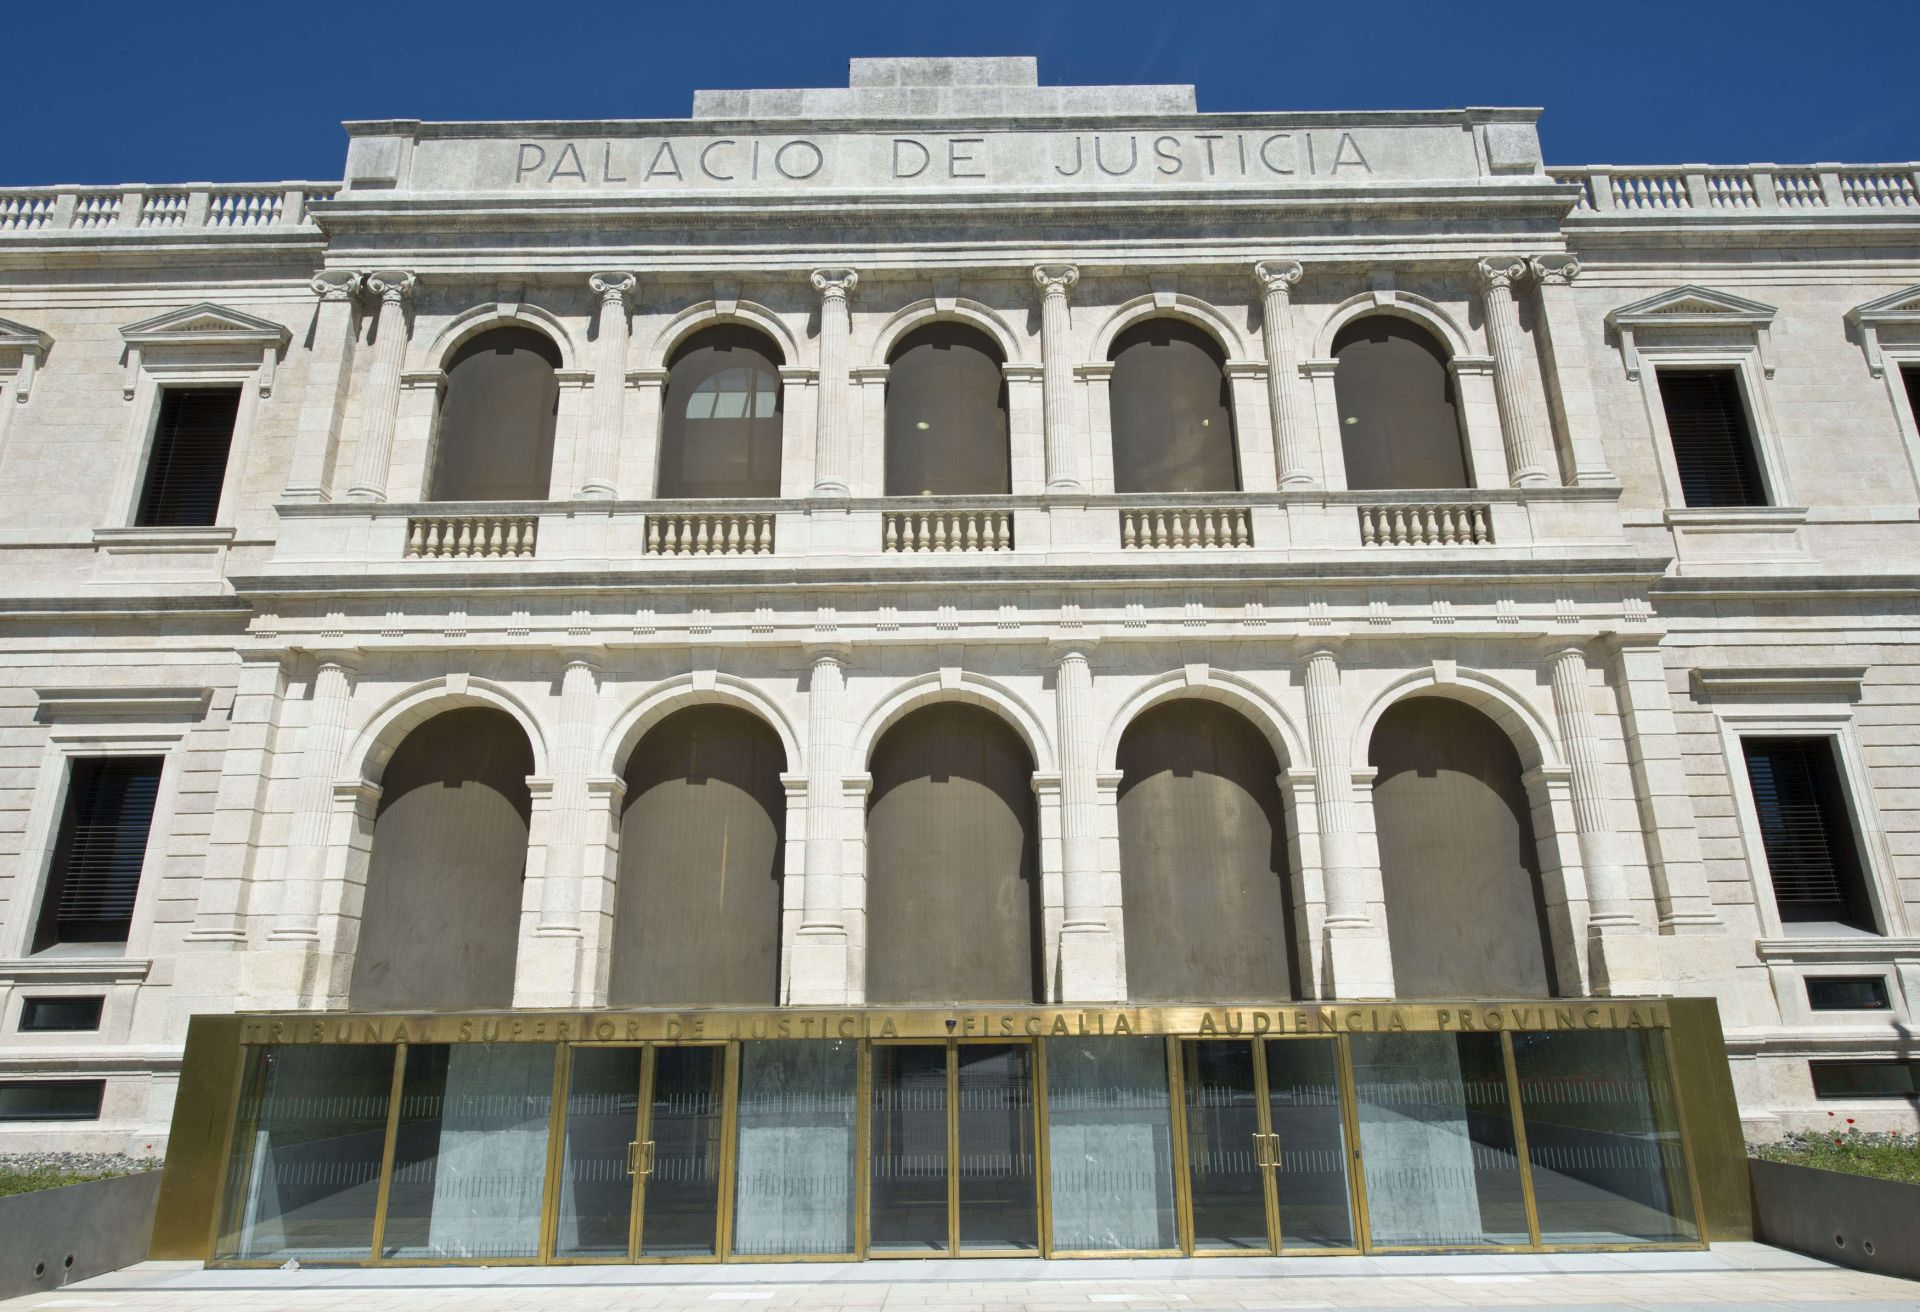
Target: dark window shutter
(102,845)
(1807,832)
(1910,375)
(1712,441)
(189,459)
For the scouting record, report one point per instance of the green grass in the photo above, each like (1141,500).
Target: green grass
(1888,1155)
(14,1180)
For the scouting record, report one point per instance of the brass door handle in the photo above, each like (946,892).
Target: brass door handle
(646,1166)
(633,1158)
(1271,1153)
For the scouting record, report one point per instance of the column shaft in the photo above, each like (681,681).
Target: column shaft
(325,743)
(383,386)
(1293,449)
(1564,366)
(310,472)
(826,750)
(1529,453)
(833,445)
(1333,776)
(1606,891)
(1066,472)
(572,765)
(1079,795)
(609,383)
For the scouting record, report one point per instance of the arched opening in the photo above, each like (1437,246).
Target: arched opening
(1458,859)
(1399,417)
(702,856)
(721,424)
(1203,858)
(440,922)
(953,862)
(1172,412)
(946,414)
(497,419)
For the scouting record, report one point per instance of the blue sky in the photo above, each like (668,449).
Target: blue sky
(117,91)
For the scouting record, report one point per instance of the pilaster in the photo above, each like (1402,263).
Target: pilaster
(1529,455)
(316,439)
(600,476)
(1292,437)
(1563,366)
(832,475)
(1066,465)
(394,287)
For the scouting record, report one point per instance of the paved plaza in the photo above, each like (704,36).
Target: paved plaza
(1745,1276)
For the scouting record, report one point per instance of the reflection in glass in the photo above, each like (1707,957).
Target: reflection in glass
(798,1120)
(909,1152)
(305,1170)
(470,1154)
(1602,1136)
(603,1118)
(680,1207)
(1303,1098)
(998,1205)
(1110,1145)
(1223,1159)
(1436,1133)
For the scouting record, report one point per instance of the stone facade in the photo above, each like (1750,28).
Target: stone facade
(1623,640)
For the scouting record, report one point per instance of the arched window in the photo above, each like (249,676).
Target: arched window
(496,419)
(1203,858)
(1399,420)
(946,414)
(953,868)
(1457,856)
(720,433)
(1172,413)
(702,855)
(440,922)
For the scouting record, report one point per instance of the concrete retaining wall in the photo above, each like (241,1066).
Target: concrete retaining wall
(1853,1220)
(53,1237)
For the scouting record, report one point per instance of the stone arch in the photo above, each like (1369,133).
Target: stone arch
(1401,305)
(707,314)
(384,730)
(975,314)
(1169,305)
(1517,717)
(470,323)
(1229,689)
(678,694)
(975,689)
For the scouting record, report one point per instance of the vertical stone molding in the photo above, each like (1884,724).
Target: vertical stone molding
(554,971)
(820,961)
(1563,360)
(1292,435)
(1066,471)
(833,443)
(1607,901)
(609,380)
(393,287)
(325,743)
(1358,962)
(1089,966)
(310,471)
(1529,454)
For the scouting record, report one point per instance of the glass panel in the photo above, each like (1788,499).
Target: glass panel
(799,1147)
(305,1171)
(1303,1098)
(1602,1138)
(1110,1145)
(603,1117)
(1436,1134)
(909,1151)
(470,1156)
(681,1214)
(998,1205)
(1223,1122)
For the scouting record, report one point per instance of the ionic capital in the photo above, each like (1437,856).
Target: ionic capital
(1502,271)
(834,284)
(1555,270)
(392,286)
(613,288)
(335,284)
(828,653)
(1279,275)
(1055,279)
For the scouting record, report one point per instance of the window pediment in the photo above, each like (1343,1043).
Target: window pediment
(200,327)
(1898,311)
(21,349)
(1690,309)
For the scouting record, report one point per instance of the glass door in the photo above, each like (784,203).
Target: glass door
(1309,1147)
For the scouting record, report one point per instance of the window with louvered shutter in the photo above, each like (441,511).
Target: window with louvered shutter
(1808,834)
(98,855)
(1910,375)
(1712,438)
(188,464)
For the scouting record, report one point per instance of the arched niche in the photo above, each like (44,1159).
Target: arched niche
(702,860)
(946,429)
(440,920)
(722,416)
(1204,874)
(1172,410)
(1399,411)
(497,416)
(1459,863)
(953,869)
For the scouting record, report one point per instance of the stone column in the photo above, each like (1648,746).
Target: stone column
(310,472)
(609,382)
(324,744)
(1529,453)
(820,960)
(393,286)
(553,971)
(1088,966)
(1292,435)
(1066,471)
(1358,963)
(1564,365)
(833,443)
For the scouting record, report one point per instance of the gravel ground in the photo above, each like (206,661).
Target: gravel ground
(78,1163)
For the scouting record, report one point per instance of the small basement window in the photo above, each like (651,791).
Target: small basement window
(1865,1079)
(51,1100)
(59,1015)
(1712,438)
(1847,992)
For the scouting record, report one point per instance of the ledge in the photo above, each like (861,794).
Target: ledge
(181,703)
(74,970)
(1865,950)
(1801,682)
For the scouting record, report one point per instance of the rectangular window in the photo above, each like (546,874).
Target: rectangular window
(1847,993)
(1910,375)
(1712,437)
(1865,1079)
(188,463)
(1812,852)
(99,852)
(52,1100)
(59,1015)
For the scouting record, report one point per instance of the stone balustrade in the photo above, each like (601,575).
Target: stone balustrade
(1158,527)
(190,207)
(710,534)
(1425,524)
(947,530)
(1755,188)
(471,537)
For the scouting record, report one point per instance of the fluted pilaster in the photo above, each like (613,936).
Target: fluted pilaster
(1065,469)
(1607,900)
(371,469)
(323,746)
(609,382)
(1292,439)
(833,440)
(1530,461)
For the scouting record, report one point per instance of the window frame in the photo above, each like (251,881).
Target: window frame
(1750,379)
(98,1114)
(27,1001)
(144,427)
(1898,360)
